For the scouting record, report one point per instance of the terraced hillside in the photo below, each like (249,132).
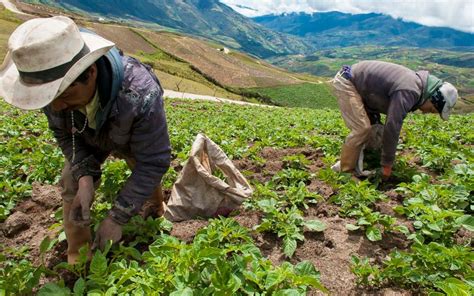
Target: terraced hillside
(188,64)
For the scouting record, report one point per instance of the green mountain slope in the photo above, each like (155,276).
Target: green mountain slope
(206,18)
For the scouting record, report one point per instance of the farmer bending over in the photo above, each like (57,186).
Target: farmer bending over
(97,102)
(369,88)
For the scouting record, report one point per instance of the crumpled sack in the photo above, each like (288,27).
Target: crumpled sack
(198,192)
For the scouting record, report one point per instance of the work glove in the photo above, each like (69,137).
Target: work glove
(108,230)
(80,213)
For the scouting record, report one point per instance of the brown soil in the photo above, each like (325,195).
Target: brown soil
(37,217)
(330,251)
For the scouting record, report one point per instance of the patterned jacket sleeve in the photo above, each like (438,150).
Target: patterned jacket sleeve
(150,148)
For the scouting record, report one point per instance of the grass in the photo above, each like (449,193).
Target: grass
(178,75)
(8,23)
(306,95)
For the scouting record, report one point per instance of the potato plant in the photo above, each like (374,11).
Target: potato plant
(433,175)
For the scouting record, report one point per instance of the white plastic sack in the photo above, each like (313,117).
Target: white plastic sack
(197,193)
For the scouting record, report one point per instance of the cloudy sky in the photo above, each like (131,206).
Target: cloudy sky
(457,14)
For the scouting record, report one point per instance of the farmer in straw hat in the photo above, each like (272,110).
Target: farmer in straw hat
(97,102)
(369,88)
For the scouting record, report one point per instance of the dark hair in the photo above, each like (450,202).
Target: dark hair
(438,100)
(84,76)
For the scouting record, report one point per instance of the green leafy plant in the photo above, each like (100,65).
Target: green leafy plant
(296,161)
(374,223)
(454,287)
(18,276)
(300,196)
(356,200)
(437,209)
(114,175)
(146,230)
(221,260)
(425,266)
(289,177)
(286,223)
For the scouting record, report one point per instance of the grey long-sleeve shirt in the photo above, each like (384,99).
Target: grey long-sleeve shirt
(390,89)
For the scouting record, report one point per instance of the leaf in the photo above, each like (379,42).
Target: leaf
(210,253)
(434,226)
(47,244)
(352,227)
(183,292)
(466,221)
(315,225)
(273,278)
(112,291)
(470,280)
(79,287)
(53,289)
(402,229)
(98,264)
(373,234)
(289,292)
(264,226)
(417,224)
(62,236)
(454,287)
(236,282)
(363,221)
(313,282)
(289,246)
(306,268)
(64,265)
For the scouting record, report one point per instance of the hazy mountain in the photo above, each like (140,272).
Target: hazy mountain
(207,18)
(336,29)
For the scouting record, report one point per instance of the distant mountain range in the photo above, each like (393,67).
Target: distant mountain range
(206,18)
(271,35)
(336,29)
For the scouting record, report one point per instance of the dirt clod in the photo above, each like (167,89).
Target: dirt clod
(48,198)
(16,223)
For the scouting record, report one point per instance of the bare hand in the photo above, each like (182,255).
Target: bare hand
(80,209)
(108,230)
(386,173)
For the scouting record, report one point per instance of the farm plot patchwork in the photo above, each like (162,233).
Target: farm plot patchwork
(306,229)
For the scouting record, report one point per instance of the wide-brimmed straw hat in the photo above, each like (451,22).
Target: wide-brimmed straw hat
(45,55)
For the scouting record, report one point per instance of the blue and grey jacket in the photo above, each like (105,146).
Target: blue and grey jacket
(130,122)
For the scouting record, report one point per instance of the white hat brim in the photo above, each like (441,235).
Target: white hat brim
(35,96)
(451,96)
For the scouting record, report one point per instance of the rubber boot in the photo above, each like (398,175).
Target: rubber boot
(76,236)
(155,206)
(349,157)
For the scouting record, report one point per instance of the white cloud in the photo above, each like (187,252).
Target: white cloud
(457,14)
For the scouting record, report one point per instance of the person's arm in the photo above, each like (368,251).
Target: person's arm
(401,102)
(84,164)
(150,147)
